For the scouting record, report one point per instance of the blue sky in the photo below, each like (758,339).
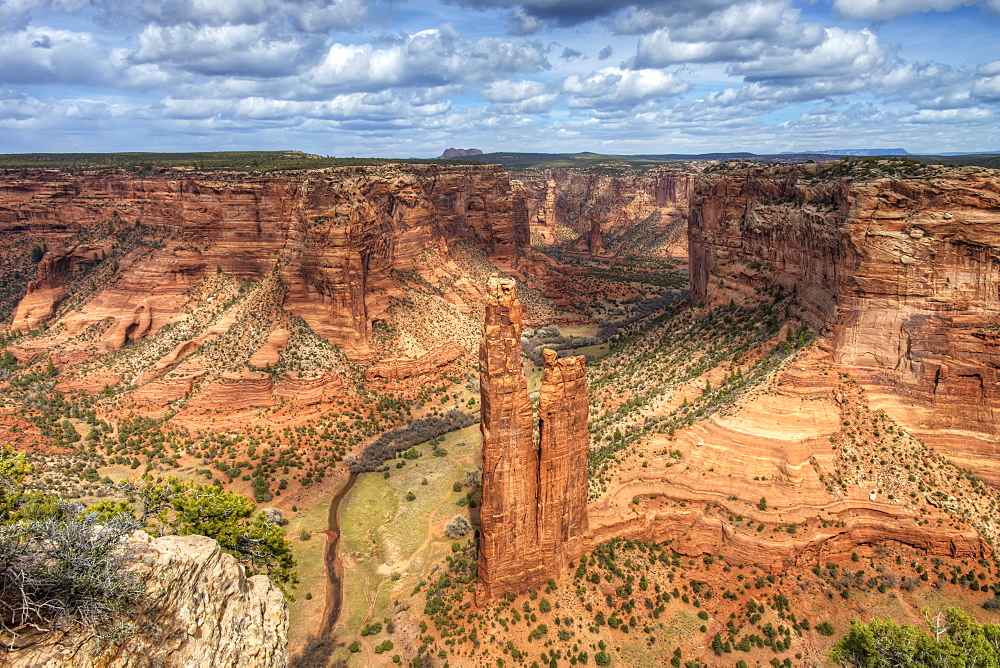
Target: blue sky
(409,78)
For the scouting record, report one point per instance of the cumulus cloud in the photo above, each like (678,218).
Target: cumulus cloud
(17,106)
(938,116)
(660,50)
(987,84)
(240,49)
(428,58)
(613,88)
(737,32)
(518,97)
(841,53)
(382,106)
(279,71)
(47,56)
(512,91)
(887,10)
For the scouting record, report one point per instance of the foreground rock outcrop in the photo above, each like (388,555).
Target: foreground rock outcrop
(901,275)
(534,510)
(202,611)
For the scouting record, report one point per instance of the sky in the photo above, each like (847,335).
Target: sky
(409,78)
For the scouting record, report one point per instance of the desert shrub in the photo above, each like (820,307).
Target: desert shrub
(457,527)
(472,477)
(883,642)
(68,571)
(404,438)
(206,510)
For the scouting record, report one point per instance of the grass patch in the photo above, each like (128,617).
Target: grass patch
(382,532)
(310,556)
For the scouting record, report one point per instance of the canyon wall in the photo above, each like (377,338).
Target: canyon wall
(202,611)
(334,236)
(533,514)
(594,202)
(900,274)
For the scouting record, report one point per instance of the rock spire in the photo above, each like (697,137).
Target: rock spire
(534,509)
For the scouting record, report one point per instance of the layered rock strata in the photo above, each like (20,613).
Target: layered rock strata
(563,446)
(901,275)
(202,611)
(534,496)
(335,237)
(594,204)
(393,369)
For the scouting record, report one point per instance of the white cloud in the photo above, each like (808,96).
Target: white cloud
(747,21)
(841,53)
(938,116)
(17,106)
(613,88)
(988,69)
(738,32)
(886,10)
(45,56)
(241,49)
(659,49)
(512,91)
(428,58)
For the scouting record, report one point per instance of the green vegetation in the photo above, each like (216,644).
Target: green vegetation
(207,510)
(954,641)
(237,161)
(59,567)
(67,570)
(651,359)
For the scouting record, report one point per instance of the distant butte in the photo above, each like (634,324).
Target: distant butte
(460,152)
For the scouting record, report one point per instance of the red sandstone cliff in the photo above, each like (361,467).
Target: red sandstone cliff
(335,237)
(508,547)
(534,510)
(563,448)
(593,203)
(900,274)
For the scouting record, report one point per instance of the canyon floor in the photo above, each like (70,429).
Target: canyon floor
(748,496)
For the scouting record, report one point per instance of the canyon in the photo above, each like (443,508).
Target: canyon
(900,276)
(807,405)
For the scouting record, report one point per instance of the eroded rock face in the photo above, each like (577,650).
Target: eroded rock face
(334,237)
(563,448)
(534,509)
(595,204)
(901,275)
(45,292)
(508,547)
(393,369)
(203,611)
